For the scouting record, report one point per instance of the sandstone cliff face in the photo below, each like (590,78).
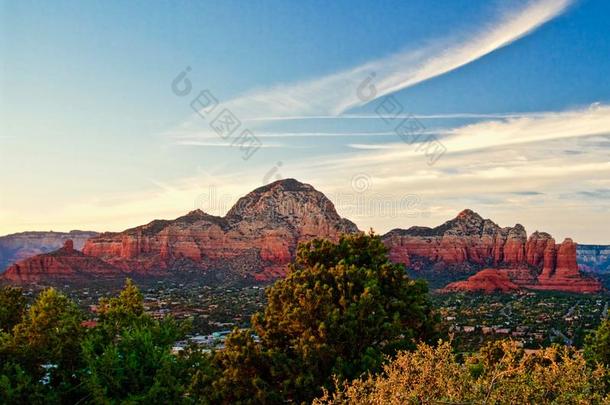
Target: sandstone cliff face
(467,240)
(469,243)
(257,237)
(19,246)
(565,275)
(65,264)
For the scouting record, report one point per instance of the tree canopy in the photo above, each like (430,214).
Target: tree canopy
(597,346)
(12,306)
(340,310)
(498,374)
(44,346)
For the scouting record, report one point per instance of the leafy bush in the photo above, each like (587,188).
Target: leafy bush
(498,374)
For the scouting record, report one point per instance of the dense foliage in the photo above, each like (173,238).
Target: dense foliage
(12,307)
(341,309)
(50,357)
(43,346)
(345,321)
(597,348)
(127,355)
(498,374)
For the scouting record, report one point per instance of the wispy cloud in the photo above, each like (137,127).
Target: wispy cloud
(371,146)
(602,193)
(594,120)
(195,142)
(589,122)
(534,183)
(334,94)
(208,138)
(449,55)
(397,116)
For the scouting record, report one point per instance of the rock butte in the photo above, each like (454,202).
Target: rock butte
(259,235)
(19,246)
(469,243)
(64,264)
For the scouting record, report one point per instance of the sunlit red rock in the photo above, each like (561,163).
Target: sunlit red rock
(63,264)
(488,281)
(466,240)
(469,243)
(262,230)
(258,237)
(19,246)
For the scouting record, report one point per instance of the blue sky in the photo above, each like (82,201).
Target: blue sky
(92,136)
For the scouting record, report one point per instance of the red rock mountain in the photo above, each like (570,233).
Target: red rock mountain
(469,243)
(259,236)
(64,264)
(255,240)
(19,246)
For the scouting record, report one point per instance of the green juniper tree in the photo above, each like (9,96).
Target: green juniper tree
(12,307)
(128,354)
(340,310)
(597,346)
(41,356)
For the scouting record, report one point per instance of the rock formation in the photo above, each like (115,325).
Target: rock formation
(258,237)
(565,276)
(19,246)
(469,243)
(255,240)
(487,281)
(65,264)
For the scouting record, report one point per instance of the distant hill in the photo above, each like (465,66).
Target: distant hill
(594,258)
(19,246)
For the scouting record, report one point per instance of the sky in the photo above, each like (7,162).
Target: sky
(403,113)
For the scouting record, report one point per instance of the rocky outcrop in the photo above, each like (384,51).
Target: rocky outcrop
(257,237)
(65,264)
(487,281)
(565,276)
(468,243)
(19,246)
